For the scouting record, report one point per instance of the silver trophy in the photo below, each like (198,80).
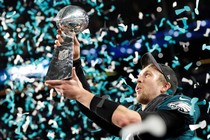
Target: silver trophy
(71,19)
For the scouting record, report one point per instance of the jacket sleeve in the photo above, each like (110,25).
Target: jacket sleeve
(110,128)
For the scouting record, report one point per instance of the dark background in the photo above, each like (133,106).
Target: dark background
(30,22)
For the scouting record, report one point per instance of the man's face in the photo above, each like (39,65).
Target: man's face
(148,85)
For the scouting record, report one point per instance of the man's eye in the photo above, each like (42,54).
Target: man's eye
(147,74)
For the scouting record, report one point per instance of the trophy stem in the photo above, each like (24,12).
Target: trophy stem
(62,62)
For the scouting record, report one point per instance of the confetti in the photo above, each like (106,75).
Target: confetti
(187,80)
(140,15)
(207,77)
(134,28)
(122,27)
(195,101)
(205,47)
(185,45)
(51,135)
(196,8)
(114,38)
(136,58)
(179,11)
(201,125)
(207,32)
(175,62)
(26,124)
(198,25)
(208,108)
(187,67)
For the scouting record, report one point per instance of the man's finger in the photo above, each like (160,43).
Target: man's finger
(53,86)
(59,31)
(76,42)
(74,75)
(60,39)
(53,82)
(57,43)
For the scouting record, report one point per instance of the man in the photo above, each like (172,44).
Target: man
(154,81)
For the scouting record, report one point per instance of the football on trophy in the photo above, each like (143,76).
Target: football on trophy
(72,18)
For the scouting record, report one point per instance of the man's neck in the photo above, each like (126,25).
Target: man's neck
(143,106)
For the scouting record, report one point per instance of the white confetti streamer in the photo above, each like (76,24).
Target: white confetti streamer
(53,123)
(187,80)
(198,25)
(174,4)
(136,58)
(207,77)
(207,32)
(26,124)
(51,94)
(51,135)
(201,125)
(140,15)
(133,79)
(196,8)
(123,27)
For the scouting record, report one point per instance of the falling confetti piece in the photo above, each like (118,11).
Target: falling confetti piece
(187,67)
(28,32)
(208,108)
(198,25)
(26,124)
(187,80)
(207,32)
(196,8)
(179,11)
(201,125)
(205,47)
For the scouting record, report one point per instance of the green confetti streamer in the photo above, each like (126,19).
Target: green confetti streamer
(187,67)
(205,47)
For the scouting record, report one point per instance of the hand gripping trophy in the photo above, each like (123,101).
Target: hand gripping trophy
(71,19)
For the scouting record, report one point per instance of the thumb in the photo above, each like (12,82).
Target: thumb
(74,75)
(76,42)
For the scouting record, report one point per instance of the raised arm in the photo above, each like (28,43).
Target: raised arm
(109,127)
(108,110)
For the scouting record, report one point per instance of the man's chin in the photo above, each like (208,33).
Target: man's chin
(142,100)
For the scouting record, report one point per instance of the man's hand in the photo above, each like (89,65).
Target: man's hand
(69,88)
(72,89)
(59,40)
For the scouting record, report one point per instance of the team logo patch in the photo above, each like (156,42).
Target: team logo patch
(63,54)
(182,107)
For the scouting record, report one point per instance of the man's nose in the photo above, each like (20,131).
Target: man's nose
(140,79)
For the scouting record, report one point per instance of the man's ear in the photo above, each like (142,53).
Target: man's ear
(165,87)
